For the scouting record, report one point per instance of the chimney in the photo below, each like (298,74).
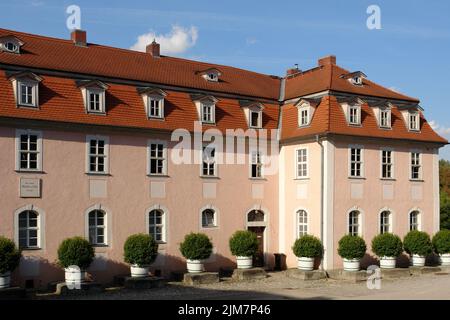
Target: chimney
(153,49)
(327,61)
(79,37)
(292,71)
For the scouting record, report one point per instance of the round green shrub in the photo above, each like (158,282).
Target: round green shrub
(243,243)
(308,246)
(9,255)
(441,242)
(75,251)
(196,246)
(352,247)
(387,245)
(418,242)
(140,249)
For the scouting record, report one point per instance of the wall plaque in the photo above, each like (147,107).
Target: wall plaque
(30,188)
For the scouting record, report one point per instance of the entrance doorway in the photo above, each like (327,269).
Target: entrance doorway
(258,258)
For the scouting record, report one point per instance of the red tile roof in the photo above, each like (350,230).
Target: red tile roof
(62,55)
(328,77)
(330,118)
(61,100)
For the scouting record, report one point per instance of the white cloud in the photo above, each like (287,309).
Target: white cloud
(443,131)
(178,40)
(251,41)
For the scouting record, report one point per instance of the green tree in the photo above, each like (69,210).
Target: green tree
(444,186)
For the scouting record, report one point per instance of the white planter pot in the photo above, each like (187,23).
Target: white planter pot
(445,259)
(74,276)
(244,262)
(139,271)
(5,280)
(194,266)
(417,260)
(388,262)
(351,264)
(306,264)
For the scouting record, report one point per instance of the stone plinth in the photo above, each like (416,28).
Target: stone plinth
(249,274)
(201,278)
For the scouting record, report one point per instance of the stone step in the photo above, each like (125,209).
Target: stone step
(353,276)
(85,288)
(249,274)
(201,278)
(306,275)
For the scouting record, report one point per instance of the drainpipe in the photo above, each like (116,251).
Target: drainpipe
(322,165)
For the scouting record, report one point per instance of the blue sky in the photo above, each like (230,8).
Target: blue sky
(411,53)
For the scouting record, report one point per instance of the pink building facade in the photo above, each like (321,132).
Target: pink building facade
(90,150)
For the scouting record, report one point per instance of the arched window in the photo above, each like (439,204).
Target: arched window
(97,227)
(29,230)
(414,220)
(385,222)
(354,223)
(156,225)
(302,223)
(255,216)
(209,218)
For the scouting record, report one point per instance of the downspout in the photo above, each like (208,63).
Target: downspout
(322,158)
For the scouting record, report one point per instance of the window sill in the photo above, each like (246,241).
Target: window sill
(388,179)
(100,246)
(99,113)
(301,178)
(416,180)
(158,176)
(209,123)
(156,118)
(257,179)
(210,228)
(356,178)
(386,128)
(30,249)
(30,171)
(28,106)
(100,174)
(210,177)
(356,125)
(301,126)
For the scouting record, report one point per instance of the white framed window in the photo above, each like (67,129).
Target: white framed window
(354,223)
(303,116)
(385,118)
(414,220)
(28,230)
(416,165)
(157,225)
(356,162)
(11,47)
(256,165)
(385,221)
(97,228)
(212,76)
(256,216)
(156,107)
(209,219)
(95,100)
(209,164)
(27,93)
(354,115)
(301,163)
(255,119)
(208,112)
(387,164)
(157,157)
(414,121)
(302,223)
(97,155)
(357,80)
(28,150)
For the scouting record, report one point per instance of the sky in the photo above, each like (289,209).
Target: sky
(409,54)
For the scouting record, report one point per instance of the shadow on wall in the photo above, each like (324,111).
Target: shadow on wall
(36,272)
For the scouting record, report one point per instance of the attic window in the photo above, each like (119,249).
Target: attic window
(354,115)
(357,81)
(414,121)
(212,77)
(11,47)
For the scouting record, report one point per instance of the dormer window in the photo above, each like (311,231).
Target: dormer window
(94,93)
(255,118)
(356,78)
(354,115)
(208,112)
(153,99)
(414,122)
(303,116)
(210,74)
(26,89)
(385,118)
(10,44)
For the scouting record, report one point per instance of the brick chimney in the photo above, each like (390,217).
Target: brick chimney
(292,71)
(326,61)
(153,49)
(79,37)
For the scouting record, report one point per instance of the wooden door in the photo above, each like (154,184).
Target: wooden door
(258,258)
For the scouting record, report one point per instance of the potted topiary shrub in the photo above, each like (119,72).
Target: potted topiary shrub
(352,249)
(387,247)
(307,248)
(441,245)
(9,260)
(195,248)
(140,250)
(418,245)
(243,245)
(75,255)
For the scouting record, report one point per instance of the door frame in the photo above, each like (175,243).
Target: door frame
(264,224)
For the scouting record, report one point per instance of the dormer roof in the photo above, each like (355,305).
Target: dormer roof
(92,83)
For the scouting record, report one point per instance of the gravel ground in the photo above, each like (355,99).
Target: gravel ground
(278,286)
